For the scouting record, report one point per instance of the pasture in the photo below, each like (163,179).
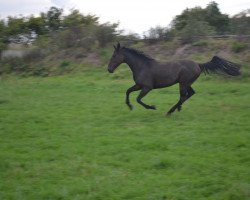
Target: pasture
(73,137)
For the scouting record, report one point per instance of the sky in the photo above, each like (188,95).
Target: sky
(135,16)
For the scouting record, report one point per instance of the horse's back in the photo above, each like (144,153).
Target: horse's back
(170,73)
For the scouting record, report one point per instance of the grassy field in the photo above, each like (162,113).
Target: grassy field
(72,137)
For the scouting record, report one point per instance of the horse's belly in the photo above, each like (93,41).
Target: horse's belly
(165,76)
(164,83)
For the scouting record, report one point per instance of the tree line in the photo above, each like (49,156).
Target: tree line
(75,29)
(53,27)
(202,22)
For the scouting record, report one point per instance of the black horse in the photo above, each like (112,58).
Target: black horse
(150,74)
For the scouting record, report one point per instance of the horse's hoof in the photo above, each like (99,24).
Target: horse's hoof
(168,114)
(130,107)
(179,108)
(151,107)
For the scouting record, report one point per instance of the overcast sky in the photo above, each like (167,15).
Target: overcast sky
(133,15)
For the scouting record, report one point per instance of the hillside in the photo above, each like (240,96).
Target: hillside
(55,43)
(70,60)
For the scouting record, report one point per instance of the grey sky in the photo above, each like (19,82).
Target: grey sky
(133,15)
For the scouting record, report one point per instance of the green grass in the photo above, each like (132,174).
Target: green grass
(72,137)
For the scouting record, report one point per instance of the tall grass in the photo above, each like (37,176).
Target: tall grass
(72,137)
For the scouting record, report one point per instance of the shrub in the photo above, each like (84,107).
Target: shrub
(200,43)
(34,55)
(247,57)
(106,33)
(40,70)
(238,47)
(194,30)
(64,64)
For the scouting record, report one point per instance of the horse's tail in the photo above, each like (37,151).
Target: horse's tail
(219,64)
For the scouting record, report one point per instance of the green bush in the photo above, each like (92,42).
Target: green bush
(40,70)
(238,47)
(105,54)
(200,43)
(106,33)
(5,68)
(194,30)
(15,65)
(64,64)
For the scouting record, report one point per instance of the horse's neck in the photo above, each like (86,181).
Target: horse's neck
(135,64)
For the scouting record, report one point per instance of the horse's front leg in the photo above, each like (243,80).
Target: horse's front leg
(142,94)
(131,89)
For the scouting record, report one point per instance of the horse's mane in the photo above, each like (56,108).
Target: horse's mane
(140,54)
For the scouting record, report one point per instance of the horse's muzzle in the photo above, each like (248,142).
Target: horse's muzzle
(110,70)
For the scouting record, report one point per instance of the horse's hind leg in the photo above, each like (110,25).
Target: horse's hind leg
(183,98)
(131,89)
(190,92)
(142,94)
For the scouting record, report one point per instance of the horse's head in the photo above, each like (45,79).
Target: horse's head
(116,59)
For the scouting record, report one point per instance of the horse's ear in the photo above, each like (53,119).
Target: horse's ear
(118,45)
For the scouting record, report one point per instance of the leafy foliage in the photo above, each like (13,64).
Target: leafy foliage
(54,35)
(240,23)
(156,33)
(216,19)
(195,29)
(53,18)
(200,22)
(106,33)
(3,36)
(238,46)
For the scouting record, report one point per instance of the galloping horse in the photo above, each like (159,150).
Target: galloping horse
(150,74)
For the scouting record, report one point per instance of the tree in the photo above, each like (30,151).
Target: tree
(53,18)
(3,37)
(240,23)
(37,25)
(216,19)
(158,32)
(16,26)
(195,29)
(180,21)
(75,18)
(17,30)
(106,33)
(78,29)
(210,16)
